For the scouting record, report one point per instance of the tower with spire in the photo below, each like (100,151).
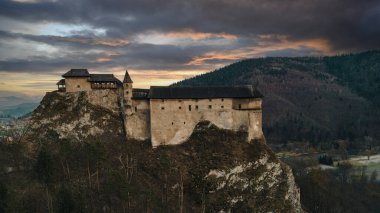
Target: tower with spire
(127,90)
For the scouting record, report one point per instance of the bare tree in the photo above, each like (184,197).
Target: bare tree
(180,193)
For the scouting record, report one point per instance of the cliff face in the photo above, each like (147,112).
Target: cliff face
(238,176)
(78,116)
(214,171)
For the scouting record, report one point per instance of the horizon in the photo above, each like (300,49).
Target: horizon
(160,43)
(144,84)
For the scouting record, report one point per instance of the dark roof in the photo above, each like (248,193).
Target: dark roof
(245,91)
(61,82)
(140,93)
(127,78)
(77,73)
(104,78)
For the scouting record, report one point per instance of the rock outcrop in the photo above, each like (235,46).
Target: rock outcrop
(78,116)
(215,170)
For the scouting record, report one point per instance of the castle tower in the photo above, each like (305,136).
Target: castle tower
(127,87)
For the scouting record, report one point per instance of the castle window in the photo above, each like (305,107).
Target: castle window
(162,100)
(189,107)
(222,107)
(172,123)
(179,100)
(209,99)
(184,122)
(239,106)
(78,86)
(209,106)
(180,107)
(162,108)
(135,109)
(196,107)
(222,99)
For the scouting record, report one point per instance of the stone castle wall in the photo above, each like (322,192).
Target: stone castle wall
(77,84)
(107,98)
(137,122)
(173,120)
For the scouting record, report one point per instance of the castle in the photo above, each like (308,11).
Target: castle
(168,115)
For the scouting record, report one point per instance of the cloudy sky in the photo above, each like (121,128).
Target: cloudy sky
(162,41)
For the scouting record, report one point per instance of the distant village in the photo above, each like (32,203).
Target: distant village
(12,129)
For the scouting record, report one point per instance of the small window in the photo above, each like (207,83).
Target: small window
(78,86)
(162,108)
(222,99)
(222,107)
(180,100)
(189,107)
(239,106)
(135,109)
(172,123)
(127,92)
(209,99)
(179,107)
(209,106)
(184,122)
(162,100)
(196,107)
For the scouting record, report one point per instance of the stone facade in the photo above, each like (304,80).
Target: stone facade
(173,120)
(77,84)
(137,122)
(168,115)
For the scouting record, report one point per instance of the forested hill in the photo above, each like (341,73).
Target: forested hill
(310,98)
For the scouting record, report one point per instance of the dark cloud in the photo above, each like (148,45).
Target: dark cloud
(347,25)
(255,25)
(90,52)
(135,56)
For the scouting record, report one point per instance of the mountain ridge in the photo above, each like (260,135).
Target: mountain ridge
(309,98)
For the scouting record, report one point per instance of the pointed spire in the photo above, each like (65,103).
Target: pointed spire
(127,78)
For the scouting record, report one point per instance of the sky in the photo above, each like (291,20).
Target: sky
(163,41)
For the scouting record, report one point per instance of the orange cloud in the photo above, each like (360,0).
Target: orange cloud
(107,56)
(28,83)
(189,33)
(147,78)
(267,45)
(111,42)
(284,42)
(101,59)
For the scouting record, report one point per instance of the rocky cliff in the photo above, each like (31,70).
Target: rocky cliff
(83,162)
(82,116)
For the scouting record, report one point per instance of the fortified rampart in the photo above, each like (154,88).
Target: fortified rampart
(168,115)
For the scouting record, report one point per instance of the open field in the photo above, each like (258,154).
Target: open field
(369,165)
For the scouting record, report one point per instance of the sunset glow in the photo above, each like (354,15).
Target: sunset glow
(164,42)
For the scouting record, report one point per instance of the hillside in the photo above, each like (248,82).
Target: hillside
(74,159)
(18,110)
(310,98)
